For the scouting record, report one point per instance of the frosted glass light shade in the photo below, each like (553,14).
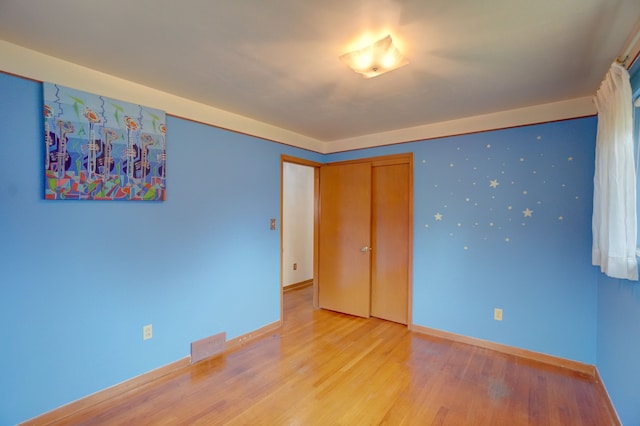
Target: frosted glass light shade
(378,58)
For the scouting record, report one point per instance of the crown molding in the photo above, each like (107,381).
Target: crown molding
(28,63)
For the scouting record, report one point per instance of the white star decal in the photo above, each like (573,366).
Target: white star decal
(438,216)
(494,183)
(527,212)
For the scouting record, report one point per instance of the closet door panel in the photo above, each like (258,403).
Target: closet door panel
(390,241)
(344,258)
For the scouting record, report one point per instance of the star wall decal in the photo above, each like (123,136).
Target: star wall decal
(465,188)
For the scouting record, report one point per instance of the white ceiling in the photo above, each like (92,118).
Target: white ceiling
(276,61)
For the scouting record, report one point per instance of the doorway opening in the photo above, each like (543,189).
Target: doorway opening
(299,212)
(370,269)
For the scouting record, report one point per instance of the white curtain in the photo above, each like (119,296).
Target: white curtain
(614,197)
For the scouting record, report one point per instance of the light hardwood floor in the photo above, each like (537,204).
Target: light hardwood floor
(325,368)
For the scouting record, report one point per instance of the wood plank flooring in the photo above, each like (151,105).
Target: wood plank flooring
(326,368)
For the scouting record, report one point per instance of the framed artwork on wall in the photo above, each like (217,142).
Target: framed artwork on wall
(98,148)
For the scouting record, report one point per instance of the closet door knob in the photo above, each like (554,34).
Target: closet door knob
(366,249)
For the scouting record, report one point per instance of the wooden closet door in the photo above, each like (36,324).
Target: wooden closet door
(390,240)
(344,268)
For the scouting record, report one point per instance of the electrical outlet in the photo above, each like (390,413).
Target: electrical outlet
(497,314)
(295,266)
(147,332)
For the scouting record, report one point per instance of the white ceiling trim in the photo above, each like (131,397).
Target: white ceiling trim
(28,63)
(31,64)
(563,110)
(631,49)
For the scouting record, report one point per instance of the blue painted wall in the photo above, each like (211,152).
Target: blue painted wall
(475,249)
(618,350)
(77,288)
(80,279)
(619,345)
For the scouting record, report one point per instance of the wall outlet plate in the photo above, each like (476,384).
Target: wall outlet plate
(147,332)
(497,314)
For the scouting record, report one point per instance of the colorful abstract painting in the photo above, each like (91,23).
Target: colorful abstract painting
(97,148)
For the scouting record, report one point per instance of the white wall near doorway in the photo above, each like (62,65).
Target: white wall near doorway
(297,223)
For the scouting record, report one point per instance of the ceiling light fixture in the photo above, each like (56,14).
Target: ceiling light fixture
(378,58)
